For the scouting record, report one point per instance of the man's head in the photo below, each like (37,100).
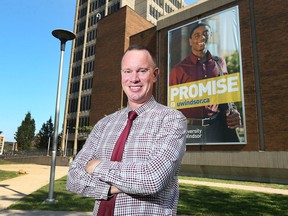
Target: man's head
(198,40)
(139,73)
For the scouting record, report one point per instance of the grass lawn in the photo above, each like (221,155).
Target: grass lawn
(202,200)
(2,161)
(66,201)
(194,200)
(7,174)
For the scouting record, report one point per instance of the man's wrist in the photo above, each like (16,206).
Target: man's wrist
(110,195)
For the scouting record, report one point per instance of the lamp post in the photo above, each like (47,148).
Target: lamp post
(63,36)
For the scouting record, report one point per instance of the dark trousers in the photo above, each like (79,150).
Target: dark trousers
(217,132)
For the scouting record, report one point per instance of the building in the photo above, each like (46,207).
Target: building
(263,155)
(84,59)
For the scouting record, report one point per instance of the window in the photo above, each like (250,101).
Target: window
(76,71)
(85,103)
(72,105)
(89,67)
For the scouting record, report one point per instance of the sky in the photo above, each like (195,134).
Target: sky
(29,61)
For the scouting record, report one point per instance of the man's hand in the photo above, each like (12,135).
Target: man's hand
(233,119)
(91,165)
(114,190)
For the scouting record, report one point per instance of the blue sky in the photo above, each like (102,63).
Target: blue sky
(29,60)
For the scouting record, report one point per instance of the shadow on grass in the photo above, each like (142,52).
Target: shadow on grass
(201,200)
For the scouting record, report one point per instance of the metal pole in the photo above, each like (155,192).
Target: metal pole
(48,146)
(55,135)
(63,36)
(257,78)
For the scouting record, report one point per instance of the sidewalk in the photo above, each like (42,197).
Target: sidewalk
(36,177)
(42,213)
(238,187)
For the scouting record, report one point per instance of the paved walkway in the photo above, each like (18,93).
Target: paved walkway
(37,176)
(235,186)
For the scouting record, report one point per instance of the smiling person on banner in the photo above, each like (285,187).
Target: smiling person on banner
(202,71)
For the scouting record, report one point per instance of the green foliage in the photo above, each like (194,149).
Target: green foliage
(232,62)
(44,133)
(85,129)
(25,133)
(7,175)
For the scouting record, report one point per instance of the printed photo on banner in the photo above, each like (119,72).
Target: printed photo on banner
(205,78)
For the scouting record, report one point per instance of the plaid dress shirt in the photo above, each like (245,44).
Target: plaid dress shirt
(147,174)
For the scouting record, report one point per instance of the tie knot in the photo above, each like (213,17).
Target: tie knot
(132,115)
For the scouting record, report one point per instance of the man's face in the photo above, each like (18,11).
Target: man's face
(199,40)
(138,76)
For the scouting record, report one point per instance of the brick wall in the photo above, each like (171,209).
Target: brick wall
(112,41)
(271,33)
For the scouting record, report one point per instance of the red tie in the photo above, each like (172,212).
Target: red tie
(106,207)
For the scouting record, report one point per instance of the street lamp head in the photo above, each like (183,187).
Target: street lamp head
(63,35)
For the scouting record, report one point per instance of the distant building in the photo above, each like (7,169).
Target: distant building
(10,148)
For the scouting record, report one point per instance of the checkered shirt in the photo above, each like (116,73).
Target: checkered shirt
(147,174)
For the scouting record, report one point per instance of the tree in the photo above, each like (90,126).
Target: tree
(25,133)
(45,133)
(232,61)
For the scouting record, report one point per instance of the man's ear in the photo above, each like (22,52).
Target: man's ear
(190,41)
(155,74)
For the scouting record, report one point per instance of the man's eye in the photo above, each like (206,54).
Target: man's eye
(127,71)
(143,70)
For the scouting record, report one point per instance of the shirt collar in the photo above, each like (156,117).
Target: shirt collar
(194,58)
(145,107)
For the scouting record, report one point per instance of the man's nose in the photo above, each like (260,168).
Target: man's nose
(134,76)
(203,37)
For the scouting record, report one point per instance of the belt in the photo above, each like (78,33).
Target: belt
(202,122)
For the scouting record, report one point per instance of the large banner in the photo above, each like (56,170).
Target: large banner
(205,78)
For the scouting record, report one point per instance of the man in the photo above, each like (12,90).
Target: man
(213,120)
(145,181)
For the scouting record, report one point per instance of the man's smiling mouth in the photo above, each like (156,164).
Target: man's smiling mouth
(135,87)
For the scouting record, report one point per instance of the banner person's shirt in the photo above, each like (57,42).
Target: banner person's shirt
(191,69)
(147,174)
